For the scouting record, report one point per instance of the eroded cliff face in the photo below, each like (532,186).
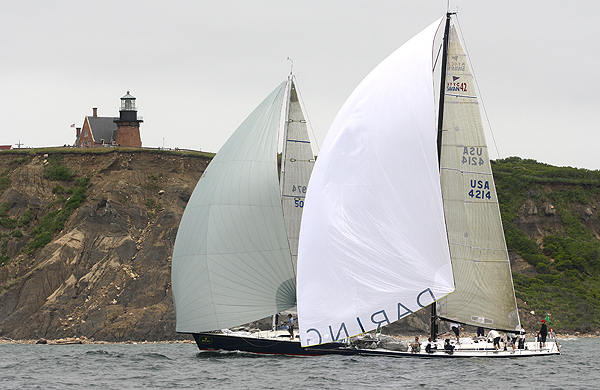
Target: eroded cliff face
(106,275)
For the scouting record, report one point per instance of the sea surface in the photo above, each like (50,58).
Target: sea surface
(182,366)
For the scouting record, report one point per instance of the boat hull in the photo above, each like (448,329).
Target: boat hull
(441,354)
(261,345)
(253,343)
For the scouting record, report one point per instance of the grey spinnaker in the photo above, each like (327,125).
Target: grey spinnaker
(232,262)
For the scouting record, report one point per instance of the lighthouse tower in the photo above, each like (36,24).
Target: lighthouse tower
(128,124)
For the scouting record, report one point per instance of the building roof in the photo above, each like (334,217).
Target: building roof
(128,96)
(103,128)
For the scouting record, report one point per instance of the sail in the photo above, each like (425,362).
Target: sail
(296,166)
(231,261)
(373,244)
(484,294)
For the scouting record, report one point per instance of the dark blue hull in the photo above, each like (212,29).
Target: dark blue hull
(215,342)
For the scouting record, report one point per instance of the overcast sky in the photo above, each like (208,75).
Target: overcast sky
(198,68)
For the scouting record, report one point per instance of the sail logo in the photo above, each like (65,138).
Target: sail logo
(457,66)
(456,86)
(480,189)
(379,318)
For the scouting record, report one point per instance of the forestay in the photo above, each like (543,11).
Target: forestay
(484,294)
(231,262)
(373,244)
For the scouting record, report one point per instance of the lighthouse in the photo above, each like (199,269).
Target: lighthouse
(128,124)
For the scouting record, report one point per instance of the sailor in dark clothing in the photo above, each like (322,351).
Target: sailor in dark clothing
(522,338)
(543,333)
(431,346)
(448,347)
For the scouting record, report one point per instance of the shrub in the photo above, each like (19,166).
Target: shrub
(20,160)
(7,223)
(40,241)
(25,218)
(83,182)
(57,172)
(535,259)
(542,268)
(4,209)
(55,220)
(4,183)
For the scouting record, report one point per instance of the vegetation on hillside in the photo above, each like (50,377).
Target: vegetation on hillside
(567,262)
(92,151)
(40,232)
(564,278)
(34,233)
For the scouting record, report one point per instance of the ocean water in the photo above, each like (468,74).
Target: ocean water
(182,366)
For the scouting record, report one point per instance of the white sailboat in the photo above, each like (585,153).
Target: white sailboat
(237,243)
(399,216)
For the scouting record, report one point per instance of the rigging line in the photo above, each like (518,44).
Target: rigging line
(437,57)
(308,121)
(487,118)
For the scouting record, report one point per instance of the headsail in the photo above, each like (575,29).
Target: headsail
(296,166)
(373,243)
(231,262)
(484,294)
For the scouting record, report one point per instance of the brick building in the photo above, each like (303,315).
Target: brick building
(100,131)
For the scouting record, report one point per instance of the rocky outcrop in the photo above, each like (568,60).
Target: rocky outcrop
(106,275)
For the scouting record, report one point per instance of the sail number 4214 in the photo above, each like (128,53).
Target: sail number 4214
(480,189)
(480,194)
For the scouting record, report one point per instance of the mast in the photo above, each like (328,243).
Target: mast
(433,324)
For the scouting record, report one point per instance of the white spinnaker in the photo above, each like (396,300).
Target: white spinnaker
(297,164)
(231,261)
(373,244)
(484,294)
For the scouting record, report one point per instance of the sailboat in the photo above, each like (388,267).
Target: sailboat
(234,259)
(402,213)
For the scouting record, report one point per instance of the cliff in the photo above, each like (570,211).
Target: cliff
(105,273)
(86,239)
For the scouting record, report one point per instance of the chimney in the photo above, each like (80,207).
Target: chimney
(78,129)
(95,112)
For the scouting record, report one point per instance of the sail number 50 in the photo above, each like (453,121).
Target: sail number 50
(299,203)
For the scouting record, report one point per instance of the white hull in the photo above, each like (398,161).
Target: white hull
(486,349)
(482,348)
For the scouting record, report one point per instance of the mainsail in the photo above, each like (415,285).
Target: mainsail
(296,166)
(231,262)
(484,294)
(373,243)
